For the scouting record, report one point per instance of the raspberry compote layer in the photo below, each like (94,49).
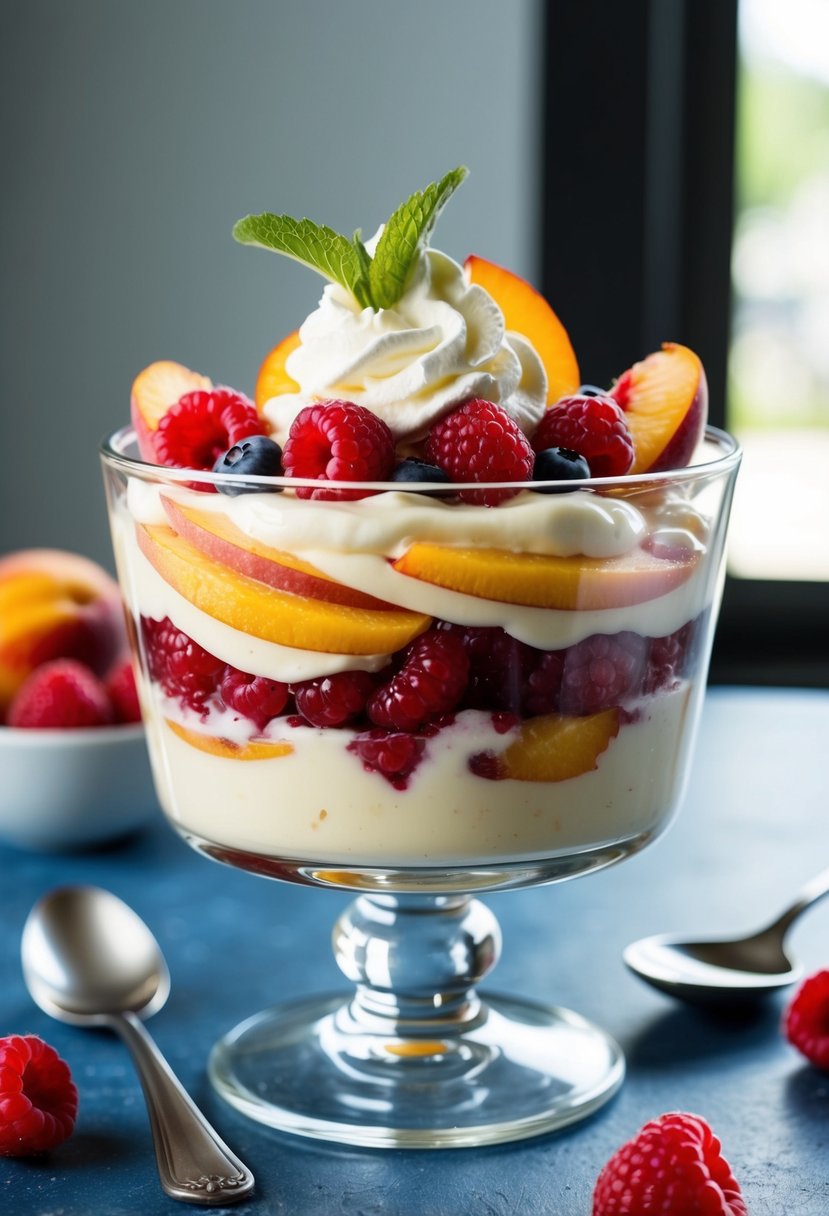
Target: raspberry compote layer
(431,683)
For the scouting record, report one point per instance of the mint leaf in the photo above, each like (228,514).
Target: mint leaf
(332,255)
(406,232)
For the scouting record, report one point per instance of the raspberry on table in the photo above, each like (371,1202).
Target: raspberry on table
(182,667)
(806,1019)
(431,681)
(337,441)
(202,425)
(122,692)
(63,694)
(38,1098)
(333,700)
(393,754)
(480,442)
(672,1167)
(254,697)
(602,671)
(595,427)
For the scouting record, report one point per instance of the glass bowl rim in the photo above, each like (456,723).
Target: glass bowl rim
(113,456)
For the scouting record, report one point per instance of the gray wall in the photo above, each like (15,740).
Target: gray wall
(135,133)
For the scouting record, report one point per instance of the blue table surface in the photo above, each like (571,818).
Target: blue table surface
(753,827)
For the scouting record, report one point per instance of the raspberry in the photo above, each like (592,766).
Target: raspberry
(430,682)
(498,668)
(602,671)
(337,441)
(333,700)
(543,688)
(122,693)
(666,658)
(595,427)
(38,1099)
(806,1020)
(254,697)
(202,425)
(63,693)
(182,667)
(480,442)
(393,754)
(673,1167)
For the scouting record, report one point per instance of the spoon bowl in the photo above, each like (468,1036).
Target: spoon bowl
(725,971)
(89,960)
(87,955)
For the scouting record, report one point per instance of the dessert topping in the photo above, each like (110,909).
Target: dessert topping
(595,427)
(338,441)
(480,442)
(198,428)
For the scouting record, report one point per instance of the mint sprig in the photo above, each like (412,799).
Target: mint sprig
(375,282)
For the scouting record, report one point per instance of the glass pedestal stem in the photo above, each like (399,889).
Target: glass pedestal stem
(415,1057)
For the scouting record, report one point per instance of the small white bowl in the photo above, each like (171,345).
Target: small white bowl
(66,789)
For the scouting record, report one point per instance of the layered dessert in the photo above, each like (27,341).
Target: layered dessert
(425,599)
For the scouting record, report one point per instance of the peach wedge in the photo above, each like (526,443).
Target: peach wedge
(273,379)
(154,390)
(528,313)
(555,747)
(539,581)
(215,535)
(255,749)
(665,399)
(274,616)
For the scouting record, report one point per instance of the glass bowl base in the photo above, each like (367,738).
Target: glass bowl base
(519,1069)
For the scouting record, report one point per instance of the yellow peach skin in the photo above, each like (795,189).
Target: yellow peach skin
(274,616)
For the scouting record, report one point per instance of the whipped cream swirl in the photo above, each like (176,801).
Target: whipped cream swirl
(442,343)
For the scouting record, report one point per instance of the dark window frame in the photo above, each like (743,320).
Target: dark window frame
(636,225)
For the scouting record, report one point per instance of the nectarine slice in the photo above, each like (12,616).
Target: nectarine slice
(527,312)
(665,399)
(274,616)
(218,537)
(154,390)
(273,379)
(255,749)
(536,580)
(555,747)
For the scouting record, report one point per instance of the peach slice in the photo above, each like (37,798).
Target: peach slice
(275,616)
(154,390)
(539,581)
(527,312)
(665,399)
(255,749)
(53,605)
(273,379)
(218,537)
(555,747)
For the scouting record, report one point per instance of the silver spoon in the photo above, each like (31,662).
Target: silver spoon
(720,972)
(88,959)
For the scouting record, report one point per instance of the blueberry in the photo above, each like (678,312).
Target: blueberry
(590,390)
(559,464)
(257,455)
(411,470)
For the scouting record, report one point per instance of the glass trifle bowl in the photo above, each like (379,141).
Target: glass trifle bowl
(427,618)
(415,697)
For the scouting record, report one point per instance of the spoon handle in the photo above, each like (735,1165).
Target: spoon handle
(814,890)
(194,1164)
